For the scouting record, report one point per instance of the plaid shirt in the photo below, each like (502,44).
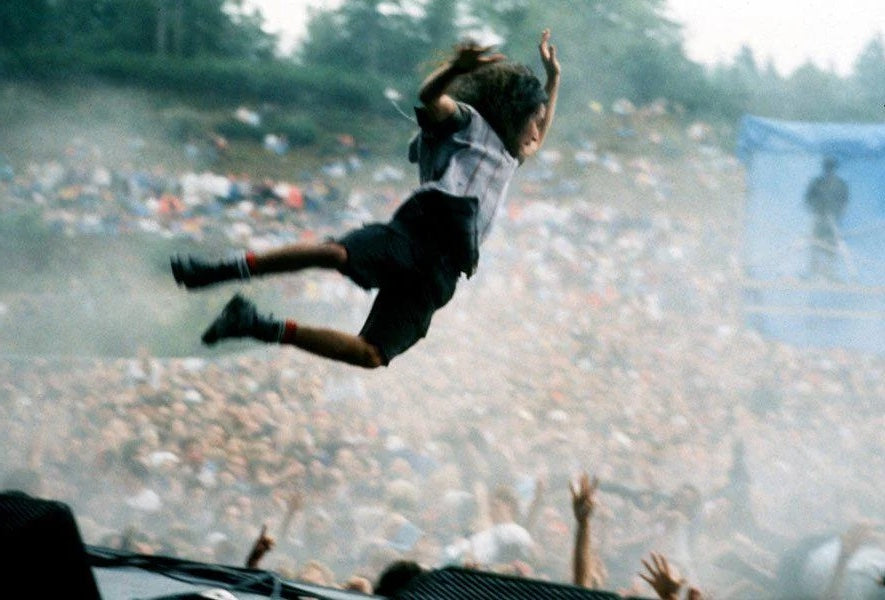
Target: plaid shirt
(464,157)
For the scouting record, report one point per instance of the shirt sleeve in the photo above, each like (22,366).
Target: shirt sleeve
(439,129)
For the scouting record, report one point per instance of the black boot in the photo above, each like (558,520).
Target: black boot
(239,319)
(194,273)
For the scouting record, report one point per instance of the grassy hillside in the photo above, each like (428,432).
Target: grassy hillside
(39,121)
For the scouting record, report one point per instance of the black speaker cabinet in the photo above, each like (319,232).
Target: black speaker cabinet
(41,551)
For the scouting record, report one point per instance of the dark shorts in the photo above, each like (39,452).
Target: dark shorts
(413,277)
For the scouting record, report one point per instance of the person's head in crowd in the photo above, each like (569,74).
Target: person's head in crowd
(360,584)
(131,454)
(830,164)
(686,500)
(511,551)
(396,576)
(319,531)
(318,474)
(346,460)
(192,451)
(514,567)
(112,540)
(136,475)
(225,552)
(136,541)
(504,505)
(444,478)
(231,515)
(180,537)
(401,468)
(454,513)
(317,573)
(376,554)
(403,496)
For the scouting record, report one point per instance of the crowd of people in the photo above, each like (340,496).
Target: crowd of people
(592,338)
(80,193)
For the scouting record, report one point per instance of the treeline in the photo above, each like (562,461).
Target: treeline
(223,79)
(609,50)
(184,28)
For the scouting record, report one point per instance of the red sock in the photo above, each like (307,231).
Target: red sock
(290,327)
(250,262)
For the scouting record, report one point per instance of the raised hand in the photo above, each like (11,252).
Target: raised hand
(263,544)
(584,497)
(548,55)
(662,577)
(470,56)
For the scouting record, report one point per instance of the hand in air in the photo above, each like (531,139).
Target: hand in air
(469,56)
(548,55)
(662,577)
(263,544)
(584,496)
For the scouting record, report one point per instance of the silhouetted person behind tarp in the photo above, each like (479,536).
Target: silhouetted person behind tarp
(826,198)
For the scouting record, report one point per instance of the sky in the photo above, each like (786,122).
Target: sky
(289,17)
(830,33)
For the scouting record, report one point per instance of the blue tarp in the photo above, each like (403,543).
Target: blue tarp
(783,298)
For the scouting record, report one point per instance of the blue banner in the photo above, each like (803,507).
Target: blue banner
(814,234)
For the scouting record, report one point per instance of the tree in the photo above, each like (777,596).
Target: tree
(183,28)
(439,25)
(376,37)
(608,49)
(769,92)
(745,64)
(814,95)
(868,78)
(23,23)
(101,25)
(218,28)
(170,25)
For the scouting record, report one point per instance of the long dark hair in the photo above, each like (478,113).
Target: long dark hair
(506,94)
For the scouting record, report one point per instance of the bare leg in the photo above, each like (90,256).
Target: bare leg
(192,272)
(297,256)
(336,345)
(328,343)
(240,319)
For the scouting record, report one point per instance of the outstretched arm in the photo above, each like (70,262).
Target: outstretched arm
(263,544)
(552,69)
(587,570)
(467,58)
